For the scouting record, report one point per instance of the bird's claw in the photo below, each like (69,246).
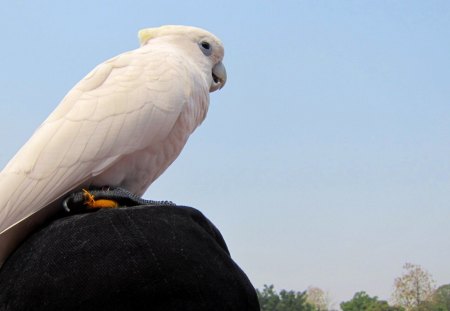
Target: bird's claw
(102,203)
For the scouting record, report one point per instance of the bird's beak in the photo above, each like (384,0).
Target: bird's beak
(219,76)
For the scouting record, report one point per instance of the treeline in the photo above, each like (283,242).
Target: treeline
(414,290)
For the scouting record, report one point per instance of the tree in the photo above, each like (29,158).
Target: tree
(270,300)
(441,298)
(318,298)
(361,301)
(413,288)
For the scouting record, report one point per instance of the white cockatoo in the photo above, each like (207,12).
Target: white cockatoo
(122,125)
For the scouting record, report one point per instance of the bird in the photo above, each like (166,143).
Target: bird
(122,125)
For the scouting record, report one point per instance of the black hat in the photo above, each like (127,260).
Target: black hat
(133,258)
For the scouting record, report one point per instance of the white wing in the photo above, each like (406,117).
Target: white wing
(123,105)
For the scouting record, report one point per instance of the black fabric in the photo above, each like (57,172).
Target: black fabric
(134,258)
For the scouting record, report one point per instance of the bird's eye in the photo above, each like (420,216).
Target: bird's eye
(206,48)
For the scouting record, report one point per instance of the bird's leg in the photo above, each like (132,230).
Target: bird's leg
(92,203)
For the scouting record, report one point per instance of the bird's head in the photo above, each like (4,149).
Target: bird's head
(199,43)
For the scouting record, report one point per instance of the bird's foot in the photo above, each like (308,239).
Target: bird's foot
(102,203)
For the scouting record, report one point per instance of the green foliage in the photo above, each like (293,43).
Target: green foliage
(361,301)
(439,301)
(270,300)
(441,298)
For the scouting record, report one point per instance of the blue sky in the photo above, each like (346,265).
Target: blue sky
(325,159)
